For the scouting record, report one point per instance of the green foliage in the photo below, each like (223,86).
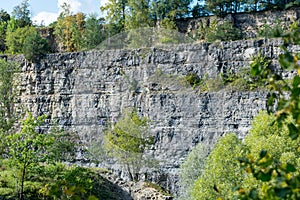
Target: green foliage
(4,19)
(127,141)
(199,11)
(35,46)
(71,183)
(27,149)
(193,79)
(224,32)
(93,33)
(268,31)
(56,181)
(22,14)
(15,39)
(280,174)
(204,28)
(222,170)
(285,94)
(262,173)
(7,95)
(192,169)
(69,29)
(116,13)
(139,16)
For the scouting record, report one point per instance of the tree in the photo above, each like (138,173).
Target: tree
(30,149)
(199,10)
(4,19)
(35,46)
(192,169)
(15,38)
(223,177)
(22,14)
(7,95)
(219,7)
(116,13)
(127,141)
(69,29)
(27,148)
(94,32)
(280,175)
(140,15)
(224,32)
(222,171)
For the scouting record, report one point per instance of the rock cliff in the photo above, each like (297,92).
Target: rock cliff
(85,91)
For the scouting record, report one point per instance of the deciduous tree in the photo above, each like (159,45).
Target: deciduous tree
(127,141)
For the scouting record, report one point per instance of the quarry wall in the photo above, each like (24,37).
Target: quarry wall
(85,91)
(248,23)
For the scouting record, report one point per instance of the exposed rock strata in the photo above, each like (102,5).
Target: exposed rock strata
(85,91)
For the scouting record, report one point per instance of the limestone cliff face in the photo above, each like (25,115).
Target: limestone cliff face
(85,91)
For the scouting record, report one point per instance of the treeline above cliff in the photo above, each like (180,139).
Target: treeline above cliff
(78,31)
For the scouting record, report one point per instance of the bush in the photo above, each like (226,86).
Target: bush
(224,32)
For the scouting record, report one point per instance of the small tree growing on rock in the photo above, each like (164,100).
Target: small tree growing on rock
(127,141)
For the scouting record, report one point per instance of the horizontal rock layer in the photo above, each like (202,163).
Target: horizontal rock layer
(85,91)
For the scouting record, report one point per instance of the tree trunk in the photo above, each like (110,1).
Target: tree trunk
(21,195)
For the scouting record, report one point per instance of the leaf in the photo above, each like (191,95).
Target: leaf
(282,192)
(264,176)
(296,81)
(262,153)
(290,168)
(253,193)
(286,60)
(293,131)
(92,198)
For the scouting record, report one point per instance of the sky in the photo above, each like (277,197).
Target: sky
(46,11)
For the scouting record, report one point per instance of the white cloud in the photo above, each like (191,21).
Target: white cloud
(85,6)
(44,18)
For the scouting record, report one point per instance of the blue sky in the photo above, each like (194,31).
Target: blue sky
(46,11)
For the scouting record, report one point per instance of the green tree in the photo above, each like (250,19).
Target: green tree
(192,169)
(15,39)
(4,19)
(22,14)
(280,175)
(140,15)
(71,183)
(94,32)
(35,46)
(219,7)
(69,29)
(224,32)
(199,10)
(29,150)
(116,13)
(222,170)
(127,141)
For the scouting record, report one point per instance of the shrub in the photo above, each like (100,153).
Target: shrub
(224,32)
